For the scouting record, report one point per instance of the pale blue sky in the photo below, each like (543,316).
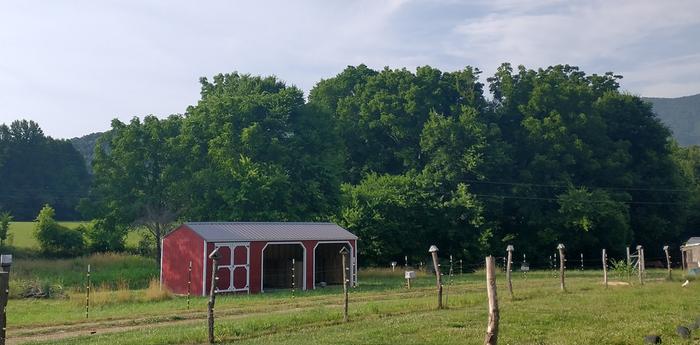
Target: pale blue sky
(72,66)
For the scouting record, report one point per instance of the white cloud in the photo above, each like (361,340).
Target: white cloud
(74,67)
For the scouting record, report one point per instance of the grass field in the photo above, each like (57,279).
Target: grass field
(22,234)
(382,311)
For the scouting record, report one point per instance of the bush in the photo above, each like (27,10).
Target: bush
(55,239)
(104,235)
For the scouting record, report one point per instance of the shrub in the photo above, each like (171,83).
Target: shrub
(57,240)
(104,235)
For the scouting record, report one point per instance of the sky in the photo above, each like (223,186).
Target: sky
(73,66)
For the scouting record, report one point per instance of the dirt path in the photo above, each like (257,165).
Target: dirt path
(96,329)
(57,332)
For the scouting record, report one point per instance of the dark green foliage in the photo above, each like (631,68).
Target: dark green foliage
(256,151)
(55,239)
(105,235)
(5,219)
(35,170)
(681,115)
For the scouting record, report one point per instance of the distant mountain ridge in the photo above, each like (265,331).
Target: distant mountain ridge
(681,115)
(86,146)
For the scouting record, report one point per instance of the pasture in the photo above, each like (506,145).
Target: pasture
(21,235)
(382,311)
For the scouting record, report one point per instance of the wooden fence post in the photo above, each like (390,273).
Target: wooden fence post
(629,265)
(5,264)
(433,252)
(344,253)
(668,262)
(509,249)
(562,259)
(492,327)
(605,268)
(214,256)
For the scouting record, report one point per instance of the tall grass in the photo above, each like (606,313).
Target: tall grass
(109,271)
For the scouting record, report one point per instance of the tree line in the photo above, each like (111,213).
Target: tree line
(406,159)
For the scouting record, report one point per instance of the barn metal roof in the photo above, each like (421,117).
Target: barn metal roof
(693,241)
(269,231)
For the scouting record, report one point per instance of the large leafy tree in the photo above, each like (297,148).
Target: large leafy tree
(136,175)
(256,151)
(570,134)
(380,114)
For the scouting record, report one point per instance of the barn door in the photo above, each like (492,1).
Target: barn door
(234,268)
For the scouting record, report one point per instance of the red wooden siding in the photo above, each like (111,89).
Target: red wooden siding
(256,249)
(179,248)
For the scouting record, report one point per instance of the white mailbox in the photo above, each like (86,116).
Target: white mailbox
(410,274)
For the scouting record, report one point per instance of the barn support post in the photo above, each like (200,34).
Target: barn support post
(5,263)
(492,327)
(509,268)
(668,262)
(344,254)
(214,256)
(436,265)
(682,259)
(605,268)
(562,260)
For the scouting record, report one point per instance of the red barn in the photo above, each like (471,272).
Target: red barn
(255,256)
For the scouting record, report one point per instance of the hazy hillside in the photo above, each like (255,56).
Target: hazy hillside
(86,146)
(682,115)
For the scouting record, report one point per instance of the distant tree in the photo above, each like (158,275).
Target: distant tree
(36,169)
(55,239)
(5,219)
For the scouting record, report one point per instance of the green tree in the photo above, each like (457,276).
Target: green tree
(36,169)
(57,240)
(5,219)
(256,151)
(136,174)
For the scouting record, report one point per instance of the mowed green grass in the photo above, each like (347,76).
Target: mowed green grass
(382,311)
(22,234)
